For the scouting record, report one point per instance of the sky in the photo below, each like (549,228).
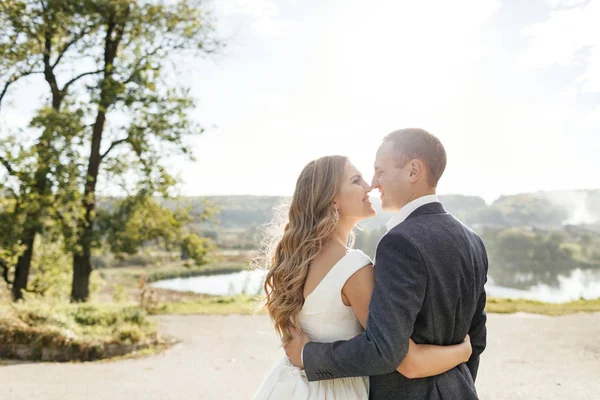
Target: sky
(511,88)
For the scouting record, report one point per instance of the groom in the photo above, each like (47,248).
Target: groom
(430,272)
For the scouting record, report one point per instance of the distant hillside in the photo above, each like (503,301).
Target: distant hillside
(240,212)
(541,209)
(458,205)
(548,210)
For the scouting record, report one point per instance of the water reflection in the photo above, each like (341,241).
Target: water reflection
(248,282)
(578,284)
(524,278)
(573,286)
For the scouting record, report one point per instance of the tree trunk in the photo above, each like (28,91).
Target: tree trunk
(82,269)
(23,264)
(31,229)
(33,224)
(82,264)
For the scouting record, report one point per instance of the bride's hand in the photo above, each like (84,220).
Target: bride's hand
(293,348)
(468,350)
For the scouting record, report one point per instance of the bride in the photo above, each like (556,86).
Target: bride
(318,285)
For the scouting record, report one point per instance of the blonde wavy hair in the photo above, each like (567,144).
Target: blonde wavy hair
(289,251)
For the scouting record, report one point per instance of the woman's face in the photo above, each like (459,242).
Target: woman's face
(353,200)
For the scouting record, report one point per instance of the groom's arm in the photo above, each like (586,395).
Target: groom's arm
(400,284)
(478,331)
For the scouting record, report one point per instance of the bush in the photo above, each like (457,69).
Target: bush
(120,293)
(90,315)
(55,324)
(129,333)
(134,315)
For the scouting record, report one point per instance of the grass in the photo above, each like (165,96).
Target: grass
(509,306)
(213,305)
(247,305)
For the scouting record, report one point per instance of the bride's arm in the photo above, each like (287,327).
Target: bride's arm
(422,360)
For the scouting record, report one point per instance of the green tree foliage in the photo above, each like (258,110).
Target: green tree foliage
(521,257)
(136,40)
(34,37)
(520,210)
(136,221)
(367,240)
(196,248)
(113,111)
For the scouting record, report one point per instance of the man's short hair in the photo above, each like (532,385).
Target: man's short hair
(416,143)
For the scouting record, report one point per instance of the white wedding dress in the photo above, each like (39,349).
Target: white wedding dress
(323,318)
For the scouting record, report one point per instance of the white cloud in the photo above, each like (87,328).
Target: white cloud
(568,37)
(565,3)
(14,120)
(590,79)
(271,101)
(592,120)
(265,14)
(272,27)
(261,9)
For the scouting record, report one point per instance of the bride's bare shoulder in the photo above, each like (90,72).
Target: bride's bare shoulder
(327,258)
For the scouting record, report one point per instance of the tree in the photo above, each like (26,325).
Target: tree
(35,37)
(367,240)
(134,221)
(40,197)
(520,210)
(137,40)
(127,116)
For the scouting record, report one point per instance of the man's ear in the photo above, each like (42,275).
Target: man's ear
(417,169)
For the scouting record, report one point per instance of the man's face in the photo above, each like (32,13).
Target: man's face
(390,180)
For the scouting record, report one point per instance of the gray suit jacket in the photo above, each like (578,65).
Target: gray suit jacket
(430,273)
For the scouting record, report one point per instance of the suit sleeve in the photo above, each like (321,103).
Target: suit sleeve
(478,331)
(400,285)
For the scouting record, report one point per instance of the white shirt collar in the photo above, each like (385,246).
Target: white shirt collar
(409,208)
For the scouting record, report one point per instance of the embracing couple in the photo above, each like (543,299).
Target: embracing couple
(408,325)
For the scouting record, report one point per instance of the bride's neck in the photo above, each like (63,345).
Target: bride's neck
(342,231)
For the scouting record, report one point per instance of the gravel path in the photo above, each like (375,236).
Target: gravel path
(528,357)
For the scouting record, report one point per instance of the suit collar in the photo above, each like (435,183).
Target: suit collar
(409,209)
(430,208)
